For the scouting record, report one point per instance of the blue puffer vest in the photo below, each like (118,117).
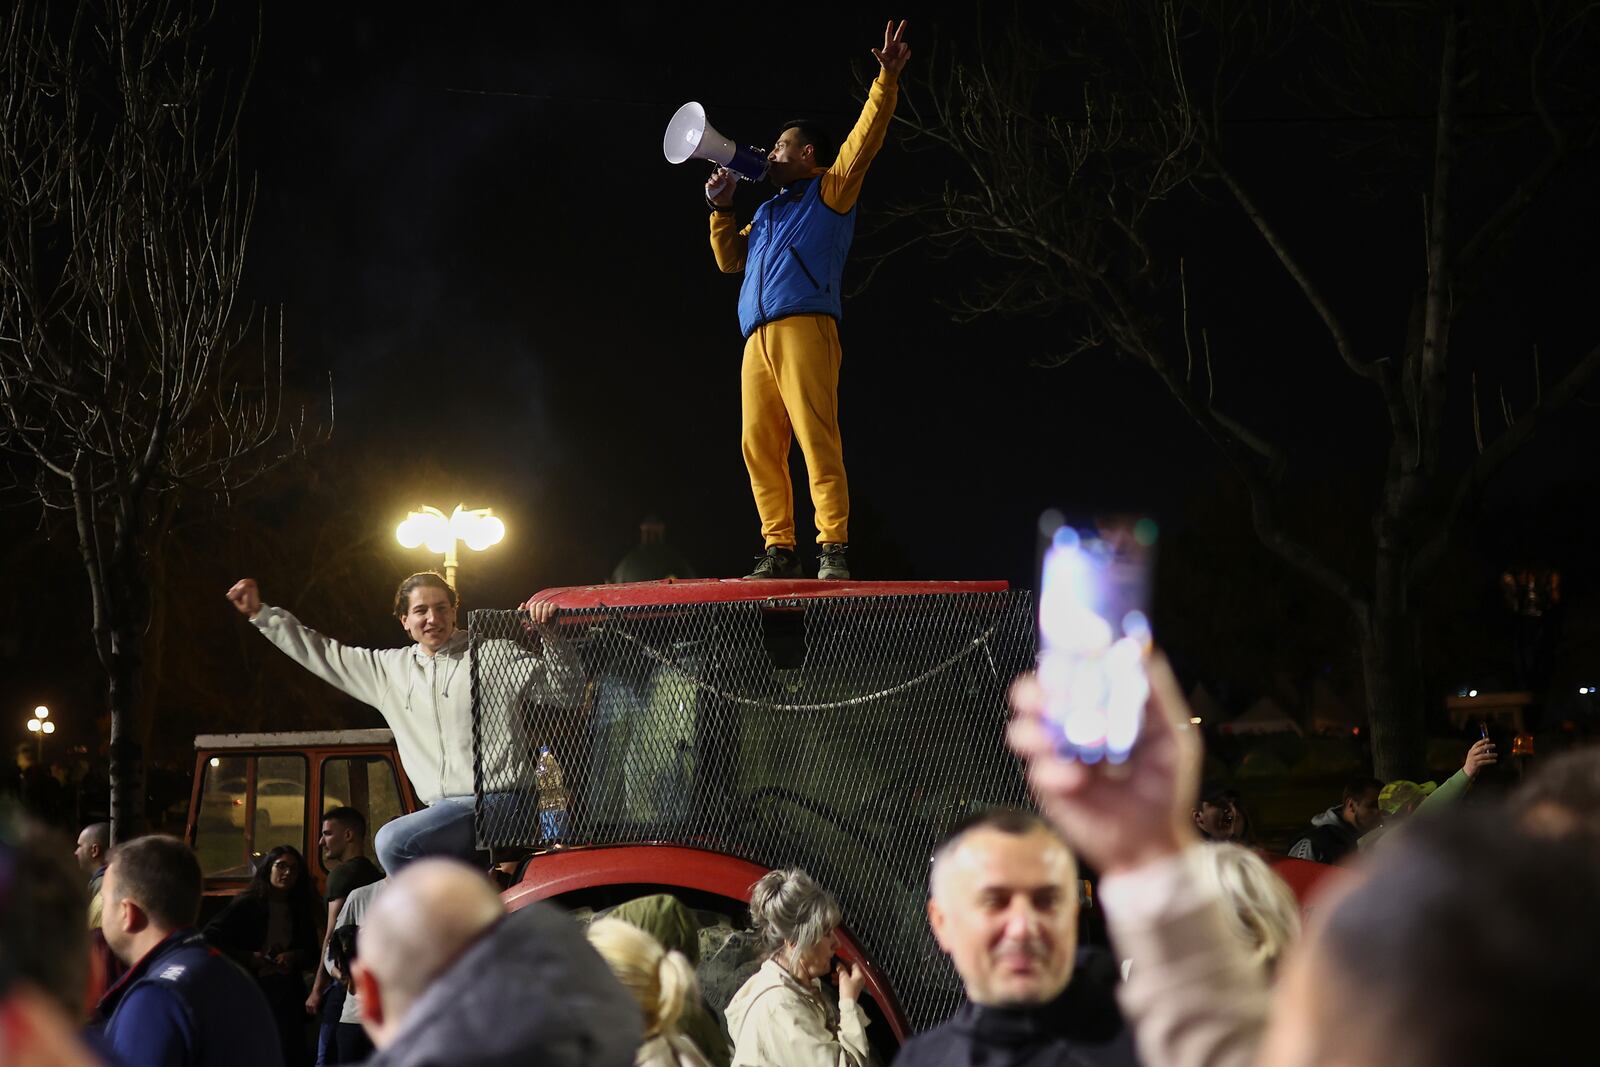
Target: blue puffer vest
(795,258)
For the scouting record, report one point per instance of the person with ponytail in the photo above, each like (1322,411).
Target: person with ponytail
(662,981)
(780,1017)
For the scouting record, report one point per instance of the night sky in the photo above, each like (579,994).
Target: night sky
(482,209)
(467,222)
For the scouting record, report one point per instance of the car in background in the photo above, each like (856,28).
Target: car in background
(279,801)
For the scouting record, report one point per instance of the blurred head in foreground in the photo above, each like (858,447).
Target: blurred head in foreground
(1465,946)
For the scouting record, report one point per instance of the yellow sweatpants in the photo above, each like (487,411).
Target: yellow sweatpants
(790,390)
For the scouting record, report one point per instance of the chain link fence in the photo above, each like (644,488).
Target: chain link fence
(843,734)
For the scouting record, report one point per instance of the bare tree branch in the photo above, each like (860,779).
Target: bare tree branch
(1490,460)
(1085,164)
(1371,371)
(125,376)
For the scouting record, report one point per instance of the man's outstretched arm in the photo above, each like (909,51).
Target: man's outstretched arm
(841,182)
(356,671)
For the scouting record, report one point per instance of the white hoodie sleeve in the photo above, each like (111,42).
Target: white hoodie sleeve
(356,671)
(1193,995)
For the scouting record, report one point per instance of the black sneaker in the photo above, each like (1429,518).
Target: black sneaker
(833,564)
(777,563)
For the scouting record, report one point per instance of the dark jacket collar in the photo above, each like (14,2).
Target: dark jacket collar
(134,975)
(1082,1027)
(1083,1012)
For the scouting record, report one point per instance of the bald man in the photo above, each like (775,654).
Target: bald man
(445,976)
(1003,904)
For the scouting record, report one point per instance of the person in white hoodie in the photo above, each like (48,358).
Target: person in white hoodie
(424,693)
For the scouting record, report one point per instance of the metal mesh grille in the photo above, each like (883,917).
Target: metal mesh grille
(841,734)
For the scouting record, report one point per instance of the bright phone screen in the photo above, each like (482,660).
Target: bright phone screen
(1094,633)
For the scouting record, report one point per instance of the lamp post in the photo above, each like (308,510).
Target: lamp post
(477,528)
(38,726)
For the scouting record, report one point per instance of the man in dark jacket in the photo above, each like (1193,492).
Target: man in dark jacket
(182,1003)
(1003,902)
(446,977)
(1333,835)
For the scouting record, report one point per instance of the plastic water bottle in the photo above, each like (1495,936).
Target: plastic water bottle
(552,797)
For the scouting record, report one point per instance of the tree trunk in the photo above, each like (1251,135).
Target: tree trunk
(1390,670)
(121,619)
(127,752)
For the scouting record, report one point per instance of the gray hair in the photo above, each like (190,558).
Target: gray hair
(788,908)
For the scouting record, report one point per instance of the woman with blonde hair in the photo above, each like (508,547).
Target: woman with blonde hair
(780,1017)
(1262,911)
(662,982)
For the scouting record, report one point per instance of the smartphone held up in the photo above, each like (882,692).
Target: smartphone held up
(1094,633)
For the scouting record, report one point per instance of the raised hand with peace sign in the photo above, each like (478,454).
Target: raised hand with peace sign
(894,53)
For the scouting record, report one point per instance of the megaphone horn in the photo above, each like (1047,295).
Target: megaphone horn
(690,136)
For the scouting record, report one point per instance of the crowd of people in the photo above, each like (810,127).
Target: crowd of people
(1466,939)
(1454,933)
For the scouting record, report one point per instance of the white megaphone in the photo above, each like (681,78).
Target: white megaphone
(690,136)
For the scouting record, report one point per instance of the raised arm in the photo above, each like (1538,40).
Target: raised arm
(562,669)
(841,182)
(353,670)
(1482,754)
(1192,995)
(728,242)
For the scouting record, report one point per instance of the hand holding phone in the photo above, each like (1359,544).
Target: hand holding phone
(1094,634)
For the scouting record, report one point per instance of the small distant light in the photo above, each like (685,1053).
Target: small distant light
(49,727)
(1355,731)
(1582,690)
(215,762)
(1472,692)
(1194,720)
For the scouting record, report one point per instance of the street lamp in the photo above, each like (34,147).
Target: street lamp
(477,528)
(40,725)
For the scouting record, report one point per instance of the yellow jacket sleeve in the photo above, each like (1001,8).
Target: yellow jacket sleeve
(728,242)
(841,183)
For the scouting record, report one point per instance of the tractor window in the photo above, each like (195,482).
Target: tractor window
(219,838)
(280,803)
(366,783)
